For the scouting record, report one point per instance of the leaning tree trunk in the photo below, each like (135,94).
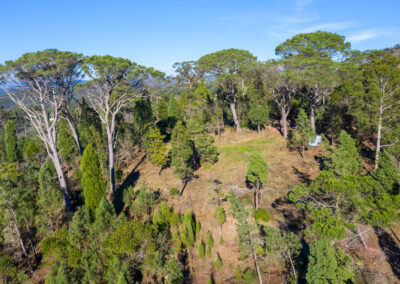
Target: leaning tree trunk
(255,263)
(61,177)
(75,133)
(292,265)
(21,241)
(235,118)
(32,245)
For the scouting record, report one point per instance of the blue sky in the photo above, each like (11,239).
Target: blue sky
(159,33)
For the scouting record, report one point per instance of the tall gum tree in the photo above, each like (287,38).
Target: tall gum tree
(381,75)
(316,56)
(39,83)
(226,66)
(115,82)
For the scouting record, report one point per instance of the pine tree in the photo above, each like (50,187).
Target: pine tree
(257,173)
(91,181)
(344,160)
(11,142)
(181,153)
(327,264)
(173,108)
(66,142)
(258,112)
(221,218)
(201,249)
(387,174)
(162,109)
(209,243)
(218,262)
(299,137)
(157,148)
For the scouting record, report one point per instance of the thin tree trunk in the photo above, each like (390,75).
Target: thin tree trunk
(220,230)
(284,121)
(75,133)
(235,118)
(258,129)
(111,164)
(61,177)
(21,241)
(32,245)
(292,265)
(312,117)
(378,136)
(361,237)
(181,187)
(302,150)
(255,262)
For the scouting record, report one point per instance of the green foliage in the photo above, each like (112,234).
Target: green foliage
(387,174)
(91,181)
(209,243)
(142,118)
(157,149)
(66,143)
(201,249)
(327,264)
(59,275)
(11,142)
(173,108)
(162,109)
(50,201)
(8,270)
(262,215)
(299,137)
(344,160)
(221,216)
(328,225)
(257,170)
(181,151)
(258,112)
(173,191)
(79,228)
(218,262)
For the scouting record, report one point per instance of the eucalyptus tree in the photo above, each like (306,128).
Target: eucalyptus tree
(40,84)
(114,83)
(279,82)
(382,94)
(187,73)
(316,56)
(225,66)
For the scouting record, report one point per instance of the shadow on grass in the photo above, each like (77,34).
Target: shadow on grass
(390,249)
(305,178)
(130,180)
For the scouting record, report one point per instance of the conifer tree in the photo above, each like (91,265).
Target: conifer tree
(301,135)
(157,148)
(173,108)
(201,249)
(209,243)
(344,160)
(11,142)
(162,109)
(327,264)
(221,218)
(257,174)
(218,262)
(387,174)
(91,181)
(258,112)
(65,142)
(181,153)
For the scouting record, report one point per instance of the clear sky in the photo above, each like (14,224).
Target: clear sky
(159,33)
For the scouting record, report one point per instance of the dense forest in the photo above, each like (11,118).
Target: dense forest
(113,172)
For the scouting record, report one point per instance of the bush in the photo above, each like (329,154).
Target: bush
(201,249)
(173,191)
(218,262)
(262,215)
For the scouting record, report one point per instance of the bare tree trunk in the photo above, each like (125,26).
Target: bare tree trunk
(378,136)
(75,133)
(302,150)
(235,118)
(21,241)
(32,245)
(61,177)
(255,262)
(312,117)
(181,187)
(284,121)
(258,129)
(111,164)
(292,265)
(361,237)
(220,230)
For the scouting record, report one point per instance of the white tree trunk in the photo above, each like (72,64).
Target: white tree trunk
(21,241)
(235,119)
(312,117)
(111,163)
(378,136)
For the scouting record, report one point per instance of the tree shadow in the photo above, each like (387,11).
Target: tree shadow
(294,218)
(130,180)
(305,178)
(390,249)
